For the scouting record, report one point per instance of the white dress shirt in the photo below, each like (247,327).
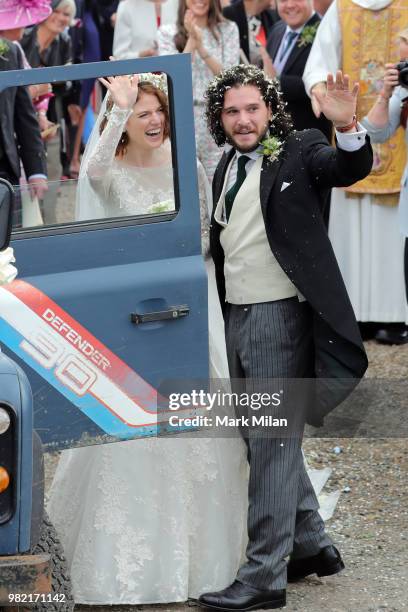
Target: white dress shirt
(280,62)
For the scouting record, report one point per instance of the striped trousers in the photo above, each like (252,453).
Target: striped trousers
(265,341)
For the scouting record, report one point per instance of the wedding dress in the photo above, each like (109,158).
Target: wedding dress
(153,520)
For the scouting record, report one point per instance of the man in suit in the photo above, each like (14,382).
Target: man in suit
(288,48)
(287,313)
(255,20)
(20,136)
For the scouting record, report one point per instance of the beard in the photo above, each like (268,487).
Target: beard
(230,140)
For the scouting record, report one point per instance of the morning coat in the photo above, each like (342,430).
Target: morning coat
(298,238)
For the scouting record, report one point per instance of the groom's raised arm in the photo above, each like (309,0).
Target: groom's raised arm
(341,166)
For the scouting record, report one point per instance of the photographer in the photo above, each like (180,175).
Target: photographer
(388,113)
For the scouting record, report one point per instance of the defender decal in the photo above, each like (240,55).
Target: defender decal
(76,363)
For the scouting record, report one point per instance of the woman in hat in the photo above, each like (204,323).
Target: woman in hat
(20,139)
(15,16)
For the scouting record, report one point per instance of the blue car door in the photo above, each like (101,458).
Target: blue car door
(104,310)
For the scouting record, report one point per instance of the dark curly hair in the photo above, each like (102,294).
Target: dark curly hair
(281,123)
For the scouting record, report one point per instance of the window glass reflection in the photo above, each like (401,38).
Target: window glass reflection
(125,164)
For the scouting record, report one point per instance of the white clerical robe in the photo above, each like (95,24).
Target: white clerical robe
(365,236)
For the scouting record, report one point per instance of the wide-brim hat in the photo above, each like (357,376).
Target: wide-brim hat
(23,13)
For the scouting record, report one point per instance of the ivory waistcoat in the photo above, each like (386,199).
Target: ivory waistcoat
(252,273)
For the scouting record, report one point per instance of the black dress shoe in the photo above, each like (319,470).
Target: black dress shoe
(326,563)
(239,596)
(368,330)
(392,336)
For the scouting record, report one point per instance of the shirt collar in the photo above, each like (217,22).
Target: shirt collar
(288,29)
(252,154)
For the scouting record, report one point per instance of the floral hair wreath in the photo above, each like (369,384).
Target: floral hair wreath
(159,81)
(241,75)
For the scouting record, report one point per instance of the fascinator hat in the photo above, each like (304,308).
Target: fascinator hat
(23,13)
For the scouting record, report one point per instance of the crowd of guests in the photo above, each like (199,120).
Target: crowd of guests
(294,41)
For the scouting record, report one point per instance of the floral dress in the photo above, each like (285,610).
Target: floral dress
(226,51)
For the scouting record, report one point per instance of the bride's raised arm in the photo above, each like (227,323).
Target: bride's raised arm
(122,98)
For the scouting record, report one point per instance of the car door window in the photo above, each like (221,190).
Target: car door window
(125,164)
(74,318)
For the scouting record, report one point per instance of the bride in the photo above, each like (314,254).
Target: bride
(151,520)
(128,160)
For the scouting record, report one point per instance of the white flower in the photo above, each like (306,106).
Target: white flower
(7,272)
(272,147)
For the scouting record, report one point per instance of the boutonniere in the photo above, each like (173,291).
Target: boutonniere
(4,48)
(308,34)
(271,148)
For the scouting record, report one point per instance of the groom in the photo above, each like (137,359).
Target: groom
(287,313)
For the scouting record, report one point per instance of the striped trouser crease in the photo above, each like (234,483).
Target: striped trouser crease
(272,340)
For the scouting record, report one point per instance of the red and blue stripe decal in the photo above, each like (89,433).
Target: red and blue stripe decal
(76,363)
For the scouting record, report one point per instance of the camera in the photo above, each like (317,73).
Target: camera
(402,68)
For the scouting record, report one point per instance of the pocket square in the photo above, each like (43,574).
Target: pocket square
(284,185)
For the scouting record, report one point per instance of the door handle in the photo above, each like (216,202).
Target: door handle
(174,312)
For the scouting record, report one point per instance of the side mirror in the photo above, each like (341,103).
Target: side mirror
(6,212)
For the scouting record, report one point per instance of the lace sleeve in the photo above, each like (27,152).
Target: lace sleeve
(204,195)
(101,160)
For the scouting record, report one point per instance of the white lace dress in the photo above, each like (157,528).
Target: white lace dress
(152,520)
(117,188)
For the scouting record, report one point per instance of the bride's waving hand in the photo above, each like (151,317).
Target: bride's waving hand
(121,98)
(123,90)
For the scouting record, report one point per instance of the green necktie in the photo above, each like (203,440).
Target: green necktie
(231,193)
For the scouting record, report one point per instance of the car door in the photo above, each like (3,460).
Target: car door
(104,310)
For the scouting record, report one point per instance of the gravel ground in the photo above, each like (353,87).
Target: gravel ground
(370,524)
